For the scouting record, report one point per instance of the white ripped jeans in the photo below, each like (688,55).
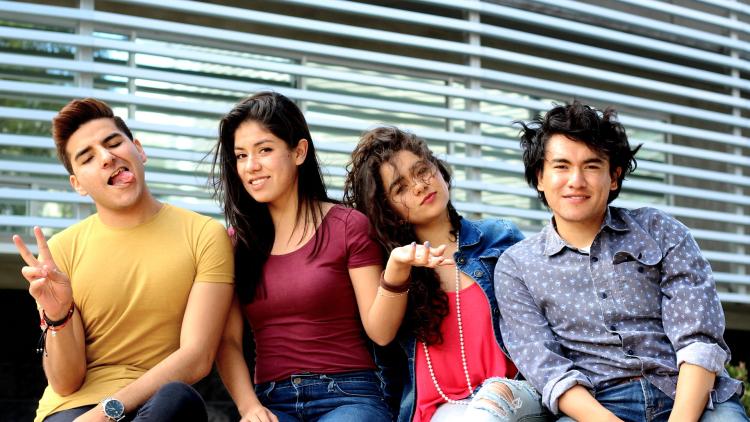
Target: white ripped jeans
(490,405)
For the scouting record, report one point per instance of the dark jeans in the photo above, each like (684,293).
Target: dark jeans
(175,401)
(352,396)
(639,400)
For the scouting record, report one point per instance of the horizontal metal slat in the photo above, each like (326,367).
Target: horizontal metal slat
(485,30)
(533,83)
(692,14)
(220,109)
(652,24)
(592,31)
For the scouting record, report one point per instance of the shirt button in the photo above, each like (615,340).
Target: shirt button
(613,327)
(631,352)
(461,260)
(478,273)
(594,259)
(603,295)
(297,380)
(496,311)
(640,270)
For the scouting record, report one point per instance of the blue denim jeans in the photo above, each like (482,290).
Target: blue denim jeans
(639,400)
(351,396)
(175,401)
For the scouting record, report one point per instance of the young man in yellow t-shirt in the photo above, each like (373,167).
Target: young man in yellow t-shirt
(133,299)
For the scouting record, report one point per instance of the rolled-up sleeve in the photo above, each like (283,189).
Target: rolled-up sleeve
(557,386)
(709,356)
(529,339)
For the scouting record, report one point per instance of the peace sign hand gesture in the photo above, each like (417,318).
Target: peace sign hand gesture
(47,284)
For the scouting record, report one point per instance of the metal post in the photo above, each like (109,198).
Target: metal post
(85,80)
(738,248)
(473,128)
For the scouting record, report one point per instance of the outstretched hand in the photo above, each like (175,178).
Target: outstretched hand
(47,284)
(424,255)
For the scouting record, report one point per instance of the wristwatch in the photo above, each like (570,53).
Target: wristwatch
(113,409)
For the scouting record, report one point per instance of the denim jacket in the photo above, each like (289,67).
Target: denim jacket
(480,245)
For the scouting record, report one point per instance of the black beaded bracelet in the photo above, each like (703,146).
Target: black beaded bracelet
(392,287)
(60,322)
(47,324)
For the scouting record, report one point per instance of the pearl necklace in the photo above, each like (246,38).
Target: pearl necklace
(461,342)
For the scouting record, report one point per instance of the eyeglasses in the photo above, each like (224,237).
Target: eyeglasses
(421,172)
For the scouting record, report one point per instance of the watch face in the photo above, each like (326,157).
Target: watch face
(113,408)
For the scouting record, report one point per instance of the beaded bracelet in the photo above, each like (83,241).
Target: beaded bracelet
(47,324)
(392,287)
(59,323)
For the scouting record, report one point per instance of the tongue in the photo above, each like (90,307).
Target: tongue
(122,178)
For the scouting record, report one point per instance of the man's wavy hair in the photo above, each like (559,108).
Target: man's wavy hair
(76,114)
(600,131)
(364,191)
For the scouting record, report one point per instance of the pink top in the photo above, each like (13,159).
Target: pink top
(483,356)
(305,316)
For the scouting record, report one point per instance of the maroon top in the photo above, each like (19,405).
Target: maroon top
(305,316)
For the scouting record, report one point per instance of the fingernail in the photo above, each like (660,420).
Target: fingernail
(427,244)
(413,243)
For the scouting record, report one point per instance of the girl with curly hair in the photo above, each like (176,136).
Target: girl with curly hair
(456,372)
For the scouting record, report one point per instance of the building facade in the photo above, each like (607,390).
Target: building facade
(457,73)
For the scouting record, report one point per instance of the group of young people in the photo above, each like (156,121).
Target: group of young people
(388,305)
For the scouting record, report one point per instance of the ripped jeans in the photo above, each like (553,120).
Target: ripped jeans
(490,405)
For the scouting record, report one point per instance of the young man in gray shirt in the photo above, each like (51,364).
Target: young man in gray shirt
(612,314)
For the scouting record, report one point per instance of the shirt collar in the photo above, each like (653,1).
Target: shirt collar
(614,221)
(554,243)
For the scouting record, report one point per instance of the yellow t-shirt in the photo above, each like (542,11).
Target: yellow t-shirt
(131,287)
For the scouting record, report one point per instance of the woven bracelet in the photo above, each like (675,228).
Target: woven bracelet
(47,324)
(61,322)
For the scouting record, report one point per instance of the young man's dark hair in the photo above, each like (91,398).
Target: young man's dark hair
(74,115)
(599,131)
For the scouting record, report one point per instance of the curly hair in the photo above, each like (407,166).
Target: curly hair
(600,131)
(363,190)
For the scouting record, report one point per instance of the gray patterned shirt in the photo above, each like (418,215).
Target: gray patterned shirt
(642,301)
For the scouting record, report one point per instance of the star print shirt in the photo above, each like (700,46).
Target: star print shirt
(639,303)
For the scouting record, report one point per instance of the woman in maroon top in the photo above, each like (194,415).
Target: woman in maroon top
(308,275)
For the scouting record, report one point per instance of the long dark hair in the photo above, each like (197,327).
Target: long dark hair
(363,190)
(253,228)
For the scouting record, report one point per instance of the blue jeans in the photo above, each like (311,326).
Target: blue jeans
(351,396)
(175,401)
(639,400)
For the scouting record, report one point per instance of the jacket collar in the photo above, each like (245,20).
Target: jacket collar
(470,234)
